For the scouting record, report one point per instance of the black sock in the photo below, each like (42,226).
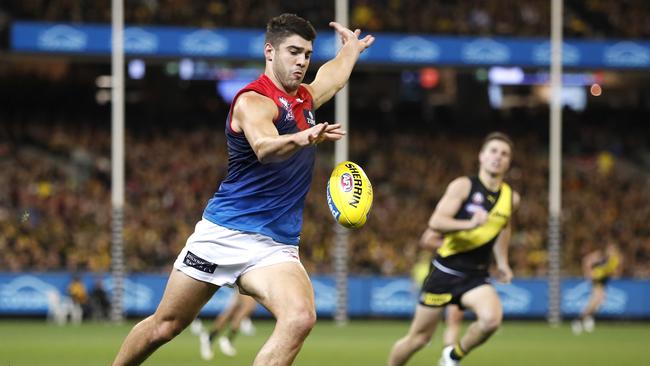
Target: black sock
(232,334)
(213,335)
(457,352)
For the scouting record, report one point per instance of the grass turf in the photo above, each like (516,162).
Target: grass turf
(33,342)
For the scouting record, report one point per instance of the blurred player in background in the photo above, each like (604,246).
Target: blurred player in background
(474,217)
(79,295)
(250,229)
(598,266)
(99,303)
(240,308)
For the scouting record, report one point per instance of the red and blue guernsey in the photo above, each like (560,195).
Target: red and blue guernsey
(266,198)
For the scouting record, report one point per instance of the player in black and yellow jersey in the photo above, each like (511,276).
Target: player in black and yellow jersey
(474,217)
(598,266)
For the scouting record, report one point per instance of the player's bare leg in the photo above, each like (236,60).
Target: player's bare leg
(225,317)
(484,302)
(595,300)
(286,291)
(453,321)
(422,328)
(207,337)
(243,306)
(183,299)
(246,306)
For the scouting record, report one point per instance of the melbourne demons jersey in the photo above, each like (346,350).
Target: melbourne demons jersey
(469,251)
(266,198)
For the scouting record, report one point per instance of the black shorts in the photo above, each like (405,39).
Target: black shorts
(441,289)
(600,282)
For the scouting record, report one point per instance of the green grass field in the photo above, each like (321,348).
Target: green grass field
(30,343)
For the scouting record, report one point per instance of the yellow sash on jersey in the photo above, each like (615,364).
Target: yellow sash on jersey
(466,240)
(606,269)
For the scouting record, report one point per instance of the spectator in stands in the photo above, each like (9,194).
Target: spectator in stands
(55,213)
(594,18)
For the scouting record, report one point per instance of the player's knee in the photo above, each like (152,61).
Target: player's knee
(420,340)
(300,321)
(305,320)
(167,330)
(490,323)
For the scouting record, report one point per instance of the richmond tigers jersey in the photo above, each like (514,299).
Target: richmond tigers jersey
(605,268)
(469,251)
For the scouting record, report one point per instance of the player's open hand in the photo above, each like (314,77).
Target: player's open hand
(324,132)
(350,36)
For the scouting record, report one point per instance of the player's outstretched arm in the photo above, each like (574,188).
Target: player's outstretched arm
(253,114)
(334,74)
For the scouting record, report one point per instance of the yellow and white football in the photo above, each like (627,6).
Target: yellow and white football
(349,195)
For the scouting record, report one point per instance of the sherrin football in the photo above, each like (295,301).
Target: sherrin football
(349,195)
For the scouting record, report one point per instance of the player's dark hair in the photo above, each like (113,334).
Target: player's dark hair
(286,25)
(498,136)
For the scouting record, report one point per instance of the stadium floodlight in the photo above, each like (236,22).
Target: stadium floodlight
(137,69)
(186,69)
(506,75)
(104,82)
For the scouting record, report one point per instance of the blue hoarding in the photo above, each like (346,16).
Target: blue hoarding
(95,39)
(32,294)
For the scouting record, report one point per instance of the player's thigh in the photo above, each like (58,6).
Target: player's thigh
(282,288)
(454,314)
(598,290)
(183,298)
(425,319)
(246,305)
(484,302)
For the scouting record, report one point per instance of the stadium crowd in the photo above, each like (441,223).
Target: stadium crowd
(55,202)
(591,18)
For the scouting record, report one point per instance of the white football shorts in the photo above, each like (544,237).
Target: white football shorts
(219,255)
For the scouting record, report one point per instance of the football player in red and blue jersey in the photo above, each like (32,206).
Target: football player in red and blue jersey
(250,230)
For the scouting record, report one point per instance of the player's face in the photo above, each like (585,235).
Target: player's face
(495,157)
(290,61)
